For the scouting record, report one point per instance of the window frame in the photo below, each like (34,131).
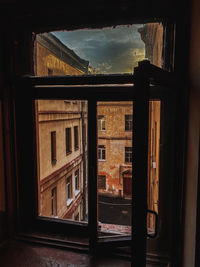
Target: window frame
(52,95)
(76,137)
(100,183)
(128,154)
(123,93)
(53,148)
(129,122)
(101,152)
(54,202)
(77,181)
(68,140)
(101,123)
(69,190)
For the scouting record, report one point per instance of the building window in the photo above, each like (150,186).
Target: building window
(128,122)
(128,154)
(76,144)
(69,190)
(50,72)
(68,140)
(53,147)
(101,123)
(54,202)
(101,152)
(77,181)
(101,182)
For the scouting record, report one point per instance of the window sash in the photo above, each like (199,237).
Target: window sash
(101,152)
(128,122)
(77,180)
(101,123)
(69,187)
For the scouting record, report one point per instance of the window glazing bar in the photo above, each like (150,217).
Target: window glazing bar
(139,169)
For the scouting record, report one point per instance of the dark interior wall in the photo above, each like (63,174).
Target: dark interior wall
(31,16)
(193,139)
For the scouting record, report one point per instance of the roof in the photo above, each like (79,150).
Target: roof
(62,52)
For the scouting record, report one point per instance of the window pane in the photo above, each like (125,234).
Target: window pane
(98,51)
(114,172)
(62,159)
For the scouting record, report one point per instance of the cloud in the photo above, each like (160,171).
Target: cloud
(109,50)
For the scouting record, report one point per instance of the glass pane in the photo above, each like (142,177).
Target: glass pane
(62,159)
(108,50)
(114,168)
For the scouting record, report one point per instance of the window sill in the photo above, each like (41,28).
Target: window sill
(101,160)
(68,153)
(77,192)
(69,201)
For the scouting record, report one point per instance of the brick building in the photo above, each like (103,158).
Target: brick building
(61,135)
(115,148)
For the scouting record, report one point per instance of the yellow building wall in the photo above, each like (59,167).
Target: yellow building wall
(45,60)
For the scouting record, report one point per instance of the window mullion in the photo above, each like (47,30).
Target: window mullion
(139,168)
(92,181)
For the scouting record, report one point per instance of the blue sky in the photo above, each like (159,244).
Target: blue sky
(109,50)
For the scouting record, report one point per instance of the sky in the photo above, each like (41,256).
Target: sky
(109,50)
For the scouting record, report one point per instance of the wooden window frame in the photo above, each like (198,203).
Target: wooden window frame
(38,92)
(120,92)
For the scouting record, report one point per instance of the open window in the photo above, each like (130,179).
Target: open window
(97,139)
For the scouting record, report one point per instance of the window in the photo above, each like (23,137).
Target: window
(101,182)
(102,152)
(68,140)
(76,143)
(50,72)
(77,181)
(69,193)
(128,122)
(101,123)
(53,147)
(86,87)
(54,202)
(128,154)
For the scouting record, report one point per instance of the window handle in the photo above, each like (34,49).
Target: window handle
(153,235)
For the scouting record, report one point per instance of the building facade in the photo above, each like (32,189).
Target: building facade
(115,148)
(62,137)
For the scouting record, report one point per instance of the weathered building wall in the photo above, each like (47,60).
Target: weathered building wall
(115,139)
(58,121)
(152,36)
(56,116)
